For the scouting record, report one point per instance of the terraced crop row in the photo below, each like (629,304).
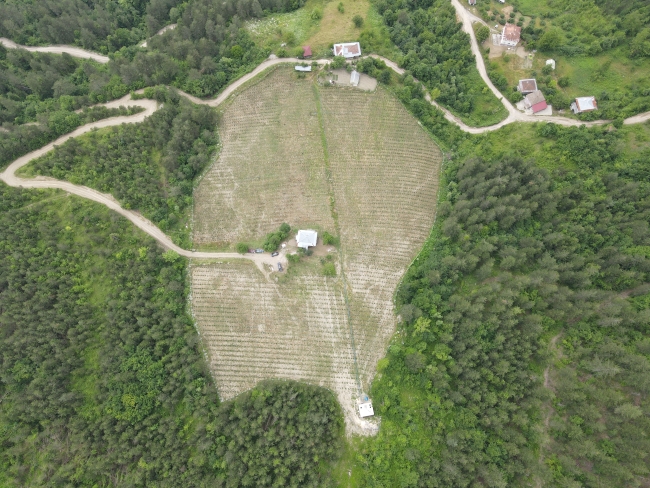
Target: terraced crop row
(270,169)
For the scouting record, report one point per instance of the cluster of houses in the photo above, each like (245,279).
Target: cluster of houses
(535,101)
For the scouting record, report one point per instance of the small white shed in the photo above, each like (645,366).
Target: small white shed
(307,238)
(303,68)
(365,410)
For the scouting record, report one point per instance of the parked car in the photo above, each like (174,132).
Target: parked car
(259,250)
(279,266)
(275,254)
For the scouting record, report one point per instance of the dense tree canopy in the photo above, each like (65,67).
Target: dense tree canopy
(101,376)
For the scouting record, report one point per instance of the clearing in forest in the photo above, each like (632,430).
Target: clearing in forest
(281,138)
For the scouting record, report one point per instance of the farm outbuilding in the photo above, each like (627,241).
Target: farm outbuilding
(347,50)
(306,238)
(303,68)
(472,2)
(511,35)
(354,78)
(306,51)
(366,410)
(535,101)
(527,86)
(584,104)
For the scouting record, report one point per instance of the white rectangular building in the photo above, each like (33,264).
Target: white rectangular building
(306,238)
(365,410)
(347,50)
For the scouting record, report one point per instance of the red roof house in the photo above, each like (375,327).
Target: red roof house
(511,35)
(535,101)
(306,51)
(347,50)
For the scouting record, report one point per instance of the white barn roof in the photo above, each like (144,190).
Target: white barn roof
(303,68)
(365,410)
(586,103)
(306,238)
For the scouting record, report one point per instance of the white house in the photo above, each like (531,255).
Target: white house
(511,35)
(584,104)
(354,78)
(307,238)
(347,50)
(365,410)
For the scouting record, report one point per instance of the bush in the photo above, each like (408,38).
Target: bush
(329,269)
(329,239)
(340,7)
(241,248)
(273,240)
(563,82)
(358,21)
(339,62)
(316,14)
(482,34)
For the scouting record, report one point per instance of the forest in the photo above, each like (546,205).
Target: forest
(102,378)
(521,254)
(150,167)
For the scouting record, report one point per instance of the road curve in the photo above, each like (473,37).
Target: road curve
(77,52)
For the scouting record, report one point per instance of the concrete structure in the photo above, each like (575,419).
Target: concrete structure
(527,86)
(347,50)
(472,2)
(303,68)
(535,101)
(306,51)
(584,104)
(354,78)
(306,238)
(511,35)
(551,63)
(365,410)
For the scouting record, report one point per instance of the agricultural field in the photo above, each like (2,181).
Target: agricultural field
(270,169)
(383,175)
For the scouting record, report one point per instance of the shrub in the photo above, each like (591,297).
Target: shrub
(329,269)
(241,248)
(329,239)
(339,62)
(273,240)
(547,69)
(358,21)
(482,34)
(563,82)
(316,14)
(340,7)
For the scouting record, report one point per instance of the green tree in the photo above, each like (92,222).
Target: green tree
(482,33)
(358,21)
(551,39)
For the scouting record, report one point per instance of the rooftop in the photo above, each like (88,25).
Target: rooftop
(306,51)
(535,97)
(512,33)
(306,238)
(303,68)
(586,103)
(527,86)
(354,78)
(365,410)
(347,49)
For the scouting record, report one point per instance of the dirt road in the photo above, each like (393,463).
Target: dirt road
(77,52)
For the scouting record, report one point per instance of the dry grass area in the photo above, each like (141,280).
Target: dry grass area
(270,169)
(385,170)
(336,26)
(384,177)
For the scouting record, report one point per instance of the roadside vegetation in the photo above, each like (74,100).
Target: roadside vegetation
(601,49)
(437,52)
(103,379)
(150,167)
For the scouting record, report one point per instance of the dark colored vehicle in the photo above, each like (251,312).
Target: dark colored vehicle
(259,250)
(279,266)
(275,254)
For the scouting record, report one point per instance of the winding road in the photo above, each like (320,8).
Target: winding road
(150,106)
